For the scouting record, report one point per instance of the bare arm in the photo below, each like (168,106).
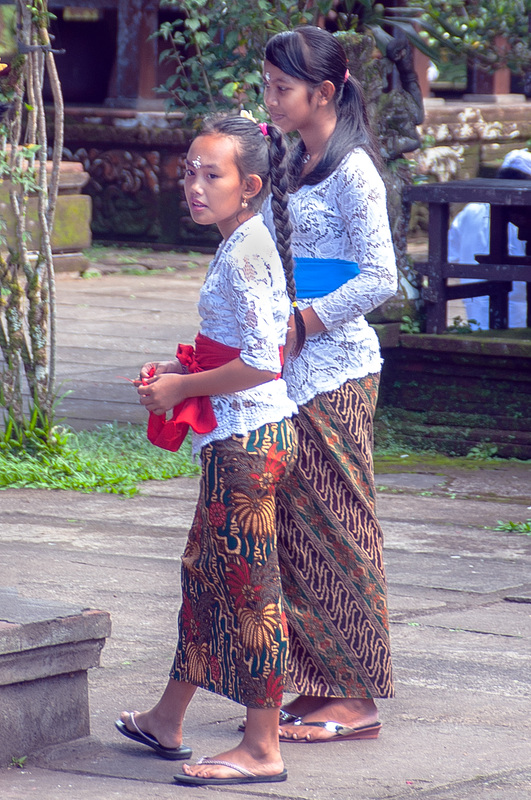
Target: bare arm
(164,391)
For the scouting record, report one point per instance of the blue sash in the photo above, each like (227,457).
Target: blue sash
(315,277)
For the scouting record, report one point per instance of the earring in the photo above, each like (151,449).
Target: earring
(244,203)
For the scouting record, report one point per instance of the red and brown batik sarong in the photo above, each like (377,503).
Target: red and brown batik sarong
(233,637)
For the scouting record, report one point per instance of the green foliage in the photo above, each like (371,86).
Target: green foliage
(35,433)
(462,326)
(18,762)
(217,47)
(110,459)
(514,527)
(482,451)
(409,325)
(22,174)
(216,51)
(493,32)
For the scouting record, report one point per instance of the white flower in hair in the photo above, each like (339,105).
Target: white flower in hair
(247,115)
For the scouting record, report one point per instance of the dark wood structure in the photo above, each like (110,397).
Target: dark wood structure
(108,56)
(496,270)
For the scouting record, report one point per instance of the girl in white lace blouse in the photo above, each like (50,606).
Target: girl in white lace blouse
(330,542)
(232,627)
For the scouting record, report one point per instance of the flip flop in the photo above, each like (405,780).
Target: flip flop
(246,776)
(170,753)
(284,719)
(341,732)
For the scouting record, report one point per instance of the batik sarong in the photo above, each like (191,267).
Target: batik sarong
(233,637)
(330,551)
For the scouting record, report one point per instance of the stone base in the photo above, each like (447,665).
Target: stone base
(45,652)
(70,262)
(35,714)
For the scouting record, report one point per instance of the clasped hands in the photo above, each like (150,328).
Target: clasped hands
(161,386)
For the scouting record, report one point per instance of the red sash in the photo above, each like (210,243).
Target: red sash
(194,412)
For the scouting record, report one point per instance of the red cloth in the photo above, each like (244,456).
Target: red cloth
(194,412)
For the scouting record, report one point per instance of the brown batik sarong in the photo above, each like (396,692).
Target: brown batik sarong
(233,637)
(330,550)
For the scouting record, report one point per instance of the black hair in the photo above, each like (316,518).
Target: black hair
(255,157)
(314,55)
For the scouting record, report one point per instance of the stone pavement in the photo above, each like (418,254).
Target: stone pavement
(460,598)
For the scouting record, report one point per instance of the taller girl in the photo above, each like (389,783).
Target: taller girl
(330,541)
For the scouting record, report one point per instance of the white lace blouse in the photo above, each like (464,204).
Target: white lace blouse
(243,303)
(345,217)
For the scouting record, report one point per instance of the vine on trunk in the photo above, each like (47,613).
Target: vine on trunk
(27,285)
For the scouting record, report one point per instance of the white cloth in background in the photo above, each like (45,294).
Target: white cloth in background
(344,216)
(469,235)
(243,303)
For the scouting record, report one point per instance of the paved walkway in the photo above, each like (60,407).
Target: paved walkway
(460,594)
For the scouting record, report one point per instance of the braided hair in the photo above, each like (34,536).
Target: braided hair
(314,55)
(255,157)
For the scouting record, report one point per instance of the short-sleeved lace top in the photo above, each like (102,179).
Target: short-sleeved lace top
(345,217)
(243,303)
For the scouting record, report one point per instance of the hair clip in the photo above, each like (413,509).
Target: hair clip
(347,76)
(263,128)
(196,162)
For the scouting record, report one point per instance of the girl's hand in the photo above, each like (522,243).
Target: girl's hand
(162,392)
(291,337)
(152,368)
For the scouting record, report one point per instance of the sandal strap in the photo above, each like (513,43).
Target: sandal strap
(229,764)
(138,730)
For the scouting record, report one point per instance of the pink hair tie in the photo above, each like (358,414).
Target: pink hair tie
(263,128)
(347,76)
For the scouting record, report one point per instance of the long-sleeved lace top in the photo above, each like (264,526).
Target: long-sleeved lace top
(345,217)
(243,303)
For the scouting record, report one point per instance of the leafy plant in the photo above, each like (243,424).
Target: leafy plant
(462,326)
(514,527)
(482,451)
(216,47)
(409,325)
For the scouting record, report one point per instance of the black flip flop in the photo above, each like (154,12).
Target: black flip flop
(170,753)
(246,776)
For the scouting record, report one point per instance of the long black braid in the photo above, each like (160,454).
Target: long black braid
(255,157)
(278,156)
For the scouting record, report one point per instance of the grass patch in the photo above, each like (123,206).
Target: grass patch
(109,459)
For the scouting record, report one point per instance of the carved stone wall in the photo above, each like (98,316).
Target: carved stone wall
(136,166)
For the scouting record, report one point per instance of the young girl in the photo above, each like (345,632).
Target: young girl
(330,542)
(232,628)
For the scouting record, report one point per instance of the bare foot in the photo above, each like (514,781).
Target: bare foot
(297,707)
(165,731)
(303,704)
(266,764)
(349,712)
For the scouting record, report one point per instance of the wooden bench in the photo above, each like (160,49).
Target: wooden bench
(496,271)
